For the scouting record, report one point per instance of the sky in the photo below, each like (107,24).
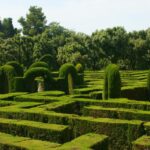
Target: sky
(84,15)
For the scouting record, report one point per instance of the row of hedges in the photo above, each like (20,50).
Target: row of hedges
(117,113)
(11,78)
(36,130)
(120,132)
(88,141)
(10,142)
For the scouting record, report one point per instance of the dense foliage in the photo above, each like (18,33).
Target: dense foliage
(39,64)
(37,39)
(32,73)
(112,82)
(69,74)
(18,68)
(7,74)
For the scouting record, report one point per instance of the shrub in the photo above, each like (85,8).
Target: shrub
(112,82)
(19,84)
(79,68)
(47,58)
(65,70)
(32,73)
(7,74)
(148,85)
(39,64)
(18,68)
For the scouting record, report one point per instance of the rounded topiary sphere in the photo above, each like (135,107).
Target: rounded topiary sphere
(112,82)
(18,68)
(148,84)
(79,68)
(32,73)
(39,64)
(65,71)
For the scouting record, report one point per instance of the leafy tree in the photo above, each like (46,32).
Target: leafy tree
(7,29)
(34,23)
(69,53)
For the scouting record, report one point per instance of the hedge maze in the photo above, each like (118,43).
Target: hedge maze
(57,119)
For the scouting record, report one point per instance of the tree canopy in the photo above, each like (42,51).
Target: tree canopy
(130,50)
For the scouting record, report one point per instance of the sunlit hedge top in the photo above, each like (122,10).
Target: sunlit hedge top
(39,64)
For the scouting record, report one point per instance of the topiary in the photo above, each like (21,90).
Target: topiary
(79,68)
(39,64)
(148,84)
(112,82)
(32,73)
(65,71)
(47,58)
(18,68)
(7,74)
(19,84)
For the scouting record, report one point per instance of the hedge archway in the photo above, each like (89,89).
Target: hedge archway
(39,64)
(31,74)
(69,74)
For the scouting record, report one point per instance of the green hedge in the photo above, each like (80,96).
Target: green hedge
(7,74)
(18,68)
(10,142)
(35,98)
(87,142)
(142,143)
(112,82)
(39,64)
(136,93)
(117,103)
(31,74)
(120,132)
(118,113)
(36,130)
(47,58)
(64,71)
(19,84)
(96,95)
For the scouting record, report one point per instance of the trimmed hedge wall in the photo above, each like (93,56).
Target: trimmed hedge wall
(10,142)
(120,132)
(31,74)
(18,68)
(112,82)
(117,113)
(136,93)
(39,64)
(87,142)
(142,143)
(7,74)
(36,130)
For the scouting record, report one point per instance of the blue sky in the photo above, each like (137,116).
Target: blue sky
(84,15)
